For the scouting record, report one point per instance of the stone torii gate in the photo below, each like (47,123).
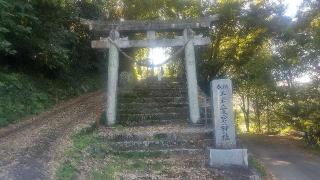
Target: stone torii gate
(114,42)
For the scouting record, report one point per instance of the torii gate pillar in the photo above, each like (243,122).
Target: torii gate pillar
(191,74)
(113,68)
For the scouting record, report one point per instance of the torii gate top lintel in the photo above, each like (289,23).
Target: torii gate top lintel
(155,25)
(112,29)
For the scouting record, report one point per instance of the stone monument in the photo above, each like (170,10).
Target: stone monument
(225,152)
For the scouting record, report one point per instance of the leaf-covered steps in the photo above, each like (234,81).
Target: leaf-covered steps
(167,151)
(170,138)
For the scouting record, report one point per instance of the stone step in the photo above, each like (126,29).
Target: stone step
(183,166)
(162,83)
(156,144)
(173,151)
(190,134)
(152,116)
(134,105)
(177,100)
(147,110)
(153,122)
(154,93)
(156,87)
(151,86)
(170,156)
(164,79)
(150,122)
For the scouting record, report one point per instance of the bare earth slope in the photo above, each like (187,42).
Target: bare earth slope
(28,149)
(284,157)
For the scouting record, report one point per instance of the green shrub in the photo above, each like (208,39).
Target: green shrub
(255,164)
(19,96)
(67,171)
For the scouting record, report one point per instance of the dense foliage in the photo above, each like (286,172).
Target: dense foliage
(264,52)
(45,56)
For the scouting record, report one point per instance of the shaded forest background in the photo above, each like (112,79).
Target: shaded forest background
(45,55)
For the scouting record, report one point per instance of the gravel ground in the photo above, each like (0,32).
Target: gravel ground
(30,149)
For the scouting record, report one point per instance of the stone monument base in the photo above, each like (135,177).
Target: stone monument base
(228,157)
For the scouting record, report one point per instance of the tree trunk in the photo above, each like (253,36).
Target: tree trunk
(247,114)
(245,110)
(258,119)
(268,118)
(257,113)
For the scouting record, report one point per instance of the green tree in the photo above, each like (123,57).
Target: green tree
(16,18)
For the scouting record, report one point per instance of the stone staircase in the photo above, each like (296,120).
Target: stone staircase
(155,116)
(195,139)
(180,148)
(152,101)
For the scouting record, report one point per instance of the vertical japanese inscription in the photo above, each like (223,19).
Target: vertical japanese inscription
(223,108)
(221,91)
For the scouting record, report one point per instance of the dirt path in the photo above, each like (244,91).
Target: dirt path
(28,149)
(284,157)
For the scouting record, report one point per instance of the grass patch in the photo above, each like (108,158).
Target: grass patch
(67,171)
(108,172)
(255,164)
(81,141)
(138,155)
(310,149)
(103,118)
(160,136)
(317,150)
(131,161)
(87,143)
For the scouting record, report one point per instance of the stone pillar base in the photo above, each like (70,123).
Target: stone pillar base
(228,157)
